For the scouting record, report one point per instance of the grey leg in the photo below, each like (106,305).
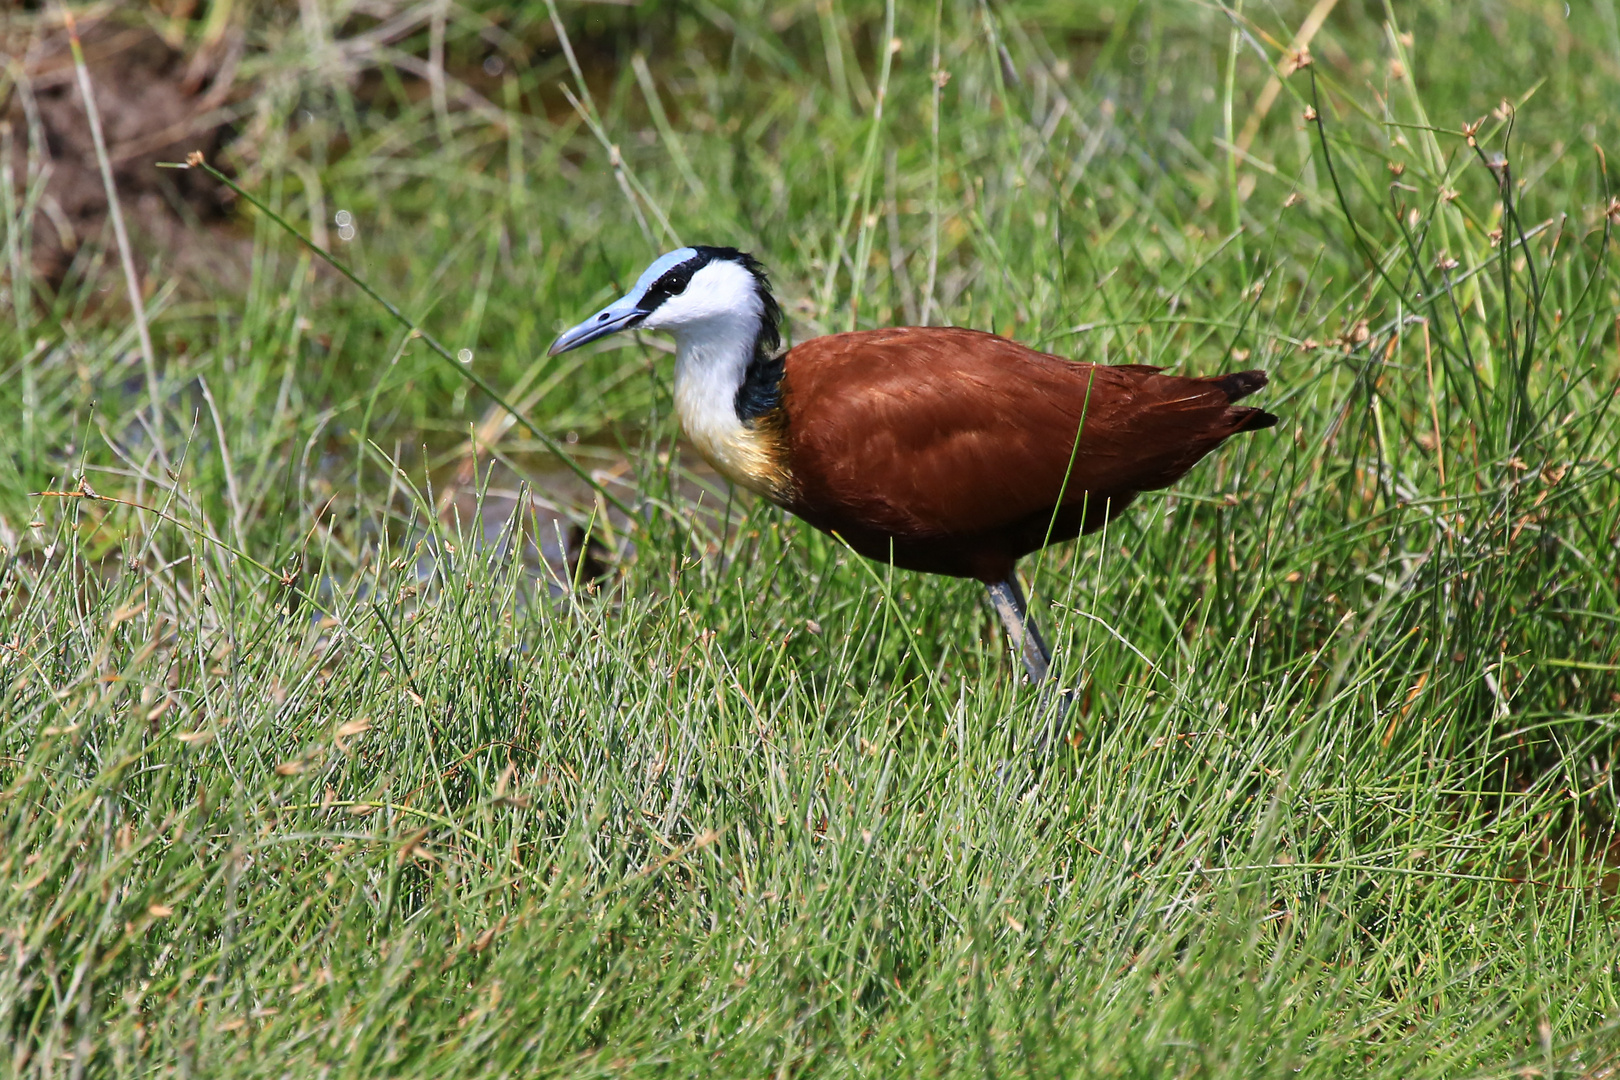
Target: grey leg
(1008,600)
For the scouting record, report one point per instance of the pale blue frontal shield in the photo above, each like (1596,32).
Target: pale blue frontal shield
(624,312)
(661,265)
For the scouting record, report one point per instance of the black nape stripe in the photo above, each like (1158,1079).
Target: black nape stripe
(761,389)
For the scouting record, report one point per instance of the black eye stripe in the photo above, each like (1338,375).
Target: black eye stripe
(673,283)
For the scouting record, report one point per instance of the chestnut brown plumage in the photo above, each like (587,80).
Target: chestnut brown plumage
(942,450)
(953,451)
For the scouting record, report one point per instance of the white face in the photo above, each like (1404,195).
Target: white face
(719,306)
(722,290)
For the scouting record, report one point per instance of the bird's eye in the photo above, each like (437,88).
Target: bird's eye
(602,317)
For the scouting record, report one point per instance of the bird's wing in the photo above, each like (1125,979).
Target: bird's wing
(937,431)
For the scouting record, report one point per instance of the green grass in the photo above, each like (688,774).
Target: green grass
(301,776)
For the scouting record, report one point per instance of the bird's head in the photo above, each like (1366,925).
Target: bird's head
(692,290)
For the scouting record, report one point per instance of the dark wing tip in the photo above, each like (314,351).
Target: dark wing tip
(1240,384)
(1246,419)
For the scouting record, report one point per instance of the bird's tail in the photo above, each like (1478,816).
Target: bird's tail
(1246,419)
(1238,385)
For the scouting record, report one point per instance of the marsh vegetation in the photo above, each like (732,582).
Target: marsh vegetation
(319,754)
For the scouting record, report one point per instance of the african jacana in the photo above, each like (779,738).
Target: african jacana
(938,449)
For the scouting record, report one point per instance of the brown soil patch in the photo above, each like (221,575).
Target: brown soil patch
(156,104)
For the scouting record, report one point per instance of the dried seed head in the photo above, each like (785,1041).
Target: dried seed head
(350,730)
(1310,114)
(1498,164)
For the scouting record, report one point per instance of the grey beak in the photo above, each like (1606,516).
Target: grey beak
(610,320)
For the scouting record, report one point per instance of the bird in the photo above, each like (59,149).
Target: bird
(943,450)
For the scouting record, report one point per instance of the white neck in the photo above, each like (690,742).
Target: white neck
(711,360)
(716,323)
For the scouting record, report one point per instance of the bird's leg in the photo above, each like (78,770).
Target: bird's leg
(1008,600)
